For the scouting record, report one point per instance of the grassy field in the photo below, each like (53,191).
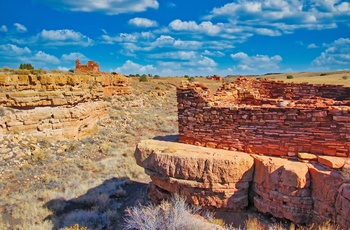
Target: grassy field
(92,181)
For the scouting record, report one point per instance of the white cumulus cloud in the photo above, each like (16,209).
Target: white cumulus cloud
(20,28)
(336,56)
(64,37)
(74,56)
(206,27)
(41,56)
(110,7)
(143,22)
(257,62)
(130,67)
(13,50)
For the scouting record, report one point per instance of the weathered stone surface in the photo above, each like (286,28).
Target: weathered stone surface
(56,105)
(342,206)
(282,188)
(325,190)
(207,177)
(246,115)
(307,156)
(301,192)
(332,162)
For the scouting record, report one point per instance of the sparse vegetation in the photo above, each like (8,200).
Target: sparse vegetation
(345,77)
(143,78)
(173,214)
(88,183)
(290,76)
(26,66)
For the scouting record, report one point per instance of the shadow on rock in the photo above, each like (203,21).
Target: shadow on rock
(101,207)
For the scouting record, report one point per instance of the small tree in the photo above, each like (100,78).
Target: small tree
(26,66)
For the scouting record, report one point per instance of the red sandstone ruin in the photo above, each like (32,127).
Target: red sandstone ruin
(90,67)
(267,117)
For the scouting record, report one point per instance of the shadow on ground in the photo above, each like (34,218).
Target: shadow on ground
(101,207)
(170,138)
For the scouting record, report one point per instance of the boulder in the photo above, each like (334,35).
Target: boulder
(212,178)
(282,188)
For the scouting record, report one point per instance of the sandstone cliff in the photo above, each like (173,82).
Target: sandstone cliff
(302,192)
(56,105)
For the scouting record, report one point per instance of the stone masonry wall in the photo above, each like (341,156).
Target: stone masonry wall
(267,117)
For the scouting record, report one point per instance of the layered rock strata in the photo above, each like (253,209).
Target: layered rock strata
(56,105)
(206,177)
(266,117)
(303,192)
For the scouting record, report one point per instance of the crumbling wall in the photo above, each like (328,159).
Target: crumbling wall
(267,117)
(90,67)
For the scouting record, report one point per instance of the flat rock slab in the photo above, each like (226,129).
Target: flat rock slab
(189,162)
(307,156)
(332,162)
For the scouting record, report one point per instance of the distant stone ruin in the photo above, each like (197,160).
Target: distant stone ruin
(90,67)
(216,78)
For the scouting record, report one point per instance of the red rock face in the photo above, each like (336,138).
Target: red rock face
(267,117)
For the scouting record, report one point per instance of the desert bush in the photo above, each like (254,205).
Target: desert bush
(173,214)
(290,76)
(345,77)
(143,78)
(26,66)
(323,74)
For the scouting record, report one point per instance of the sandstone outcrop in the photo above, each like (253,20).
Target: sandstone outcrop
(303,193)
(56,105)
(207,177)
(266,117)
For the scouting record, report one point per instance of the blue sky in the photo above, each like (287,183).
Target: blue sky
(174,38)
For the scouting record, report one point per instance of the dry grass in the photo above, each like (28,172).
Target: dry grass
(173,214)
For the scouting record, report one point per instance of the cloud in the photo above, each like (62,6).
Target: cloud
(63,37)
(206,27)
(336,56)
(20,28)
(130,67)
(213,53)
(13,50)
(143,22)
(3,29)
(110,7)
(256,63)
(74,56)
(312,46)
(63,68)
(274,17)
(122,37)
(44,57)
(177,55)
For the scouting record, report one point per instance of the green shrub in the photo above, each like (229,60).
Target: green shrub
(143,78)
(323,74)
(345,77)
(290,76)
(26,66)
